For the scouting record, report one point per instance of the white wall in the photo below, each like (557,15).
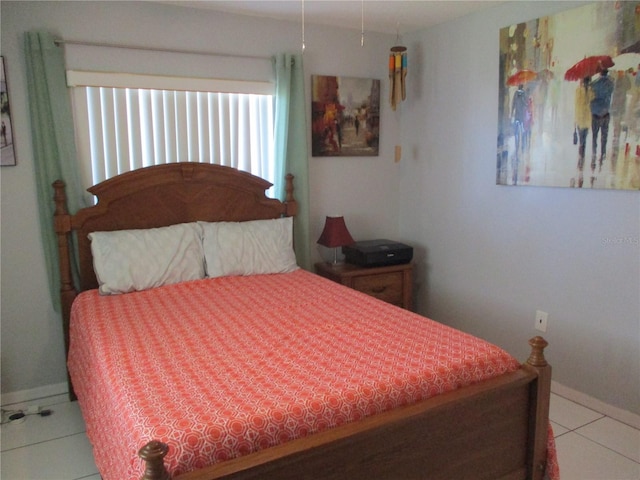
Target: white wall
(489,256)
(32,345)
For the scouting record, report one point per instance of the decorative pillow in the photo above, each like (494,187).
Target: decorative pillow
(132,260)
(248,248)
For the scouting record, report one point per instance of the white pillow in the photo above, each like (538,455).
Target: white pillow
(248,248)
(132,260)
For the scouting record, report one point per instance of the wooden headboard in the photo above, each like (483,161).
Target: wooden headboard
(156,197)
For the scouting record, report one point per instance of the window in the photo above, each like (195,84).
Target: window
(124,122)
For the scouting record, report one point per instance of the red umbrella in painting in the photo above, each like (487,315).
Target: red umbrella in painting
(521,77)
(588,67)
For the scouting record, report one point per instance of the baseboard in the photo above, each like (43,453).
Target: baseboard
(23,396)
(599,406)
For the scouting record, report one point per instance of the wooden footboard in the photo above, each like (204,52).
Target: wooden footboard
(495,430)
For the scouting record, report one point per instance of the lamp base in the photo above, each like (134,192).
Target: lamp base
(336,263)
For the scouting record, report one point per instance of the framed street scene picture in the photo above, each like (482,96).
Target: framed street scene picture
(345,116)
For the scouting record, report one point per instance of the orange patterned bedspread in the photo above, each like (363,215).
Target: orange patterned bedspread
(218,368)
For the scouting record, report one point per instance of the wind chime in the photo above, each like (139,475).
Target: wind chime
(397,75)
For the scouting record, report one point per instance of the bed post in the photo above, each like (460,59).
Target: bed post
(68,293)
(153,454)
(539,408)
(290,202)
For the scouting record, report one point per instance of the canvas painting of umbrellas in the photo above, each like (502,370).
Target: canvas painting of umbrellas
(569,99)
(345,116)
(8,157)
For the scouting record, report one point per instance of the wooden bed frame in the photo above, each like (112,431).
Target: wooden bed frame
(496,429)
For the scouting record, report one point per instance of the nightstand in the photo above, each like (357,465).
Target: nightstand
(392,284)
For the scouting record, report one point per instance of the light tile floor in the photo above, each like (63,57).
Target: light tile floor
(590,445)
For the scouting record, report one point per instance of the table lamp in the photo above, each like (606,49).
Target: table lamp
(334,235)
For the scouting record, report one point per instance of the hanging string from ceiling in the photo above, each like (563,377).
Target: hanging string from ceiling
(397,72)
(362,23)
(303,45)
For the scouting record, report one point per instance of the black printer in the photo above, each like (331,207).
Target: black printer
(377,253)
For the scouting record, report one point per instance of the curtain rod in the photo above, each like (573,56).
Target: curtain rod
(59,42)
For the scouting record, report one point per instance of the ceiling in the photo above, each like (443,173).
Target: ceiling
(383,16)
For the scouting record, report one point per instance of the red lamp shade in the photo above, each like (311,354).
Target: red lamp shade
(335,233)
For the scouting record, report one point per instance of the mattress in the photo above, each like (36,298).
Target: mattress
(219,368)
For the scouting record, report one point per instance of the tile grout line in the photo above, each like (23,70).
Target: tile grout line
(598,407)
(569,429)
(43,441)
(88,476)
(575,430)
(605,446)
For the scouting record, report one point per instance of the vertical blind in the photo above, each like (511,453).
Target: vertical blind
(123,128)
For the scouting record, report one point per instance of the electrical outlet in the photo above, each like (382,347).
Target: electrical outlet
(541,320)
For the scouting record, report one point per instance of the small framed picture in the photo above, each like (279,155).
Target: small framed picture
(6,129)
(345,116)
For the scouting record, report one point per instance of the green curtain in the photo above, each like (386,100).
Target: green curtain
(52,133)
(291,146)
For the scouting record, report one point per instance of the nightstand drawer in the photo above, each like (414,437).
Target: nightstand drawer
(385,286)
(391,284)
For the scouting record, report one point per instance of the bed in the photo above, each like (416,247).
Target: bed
(247,373)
